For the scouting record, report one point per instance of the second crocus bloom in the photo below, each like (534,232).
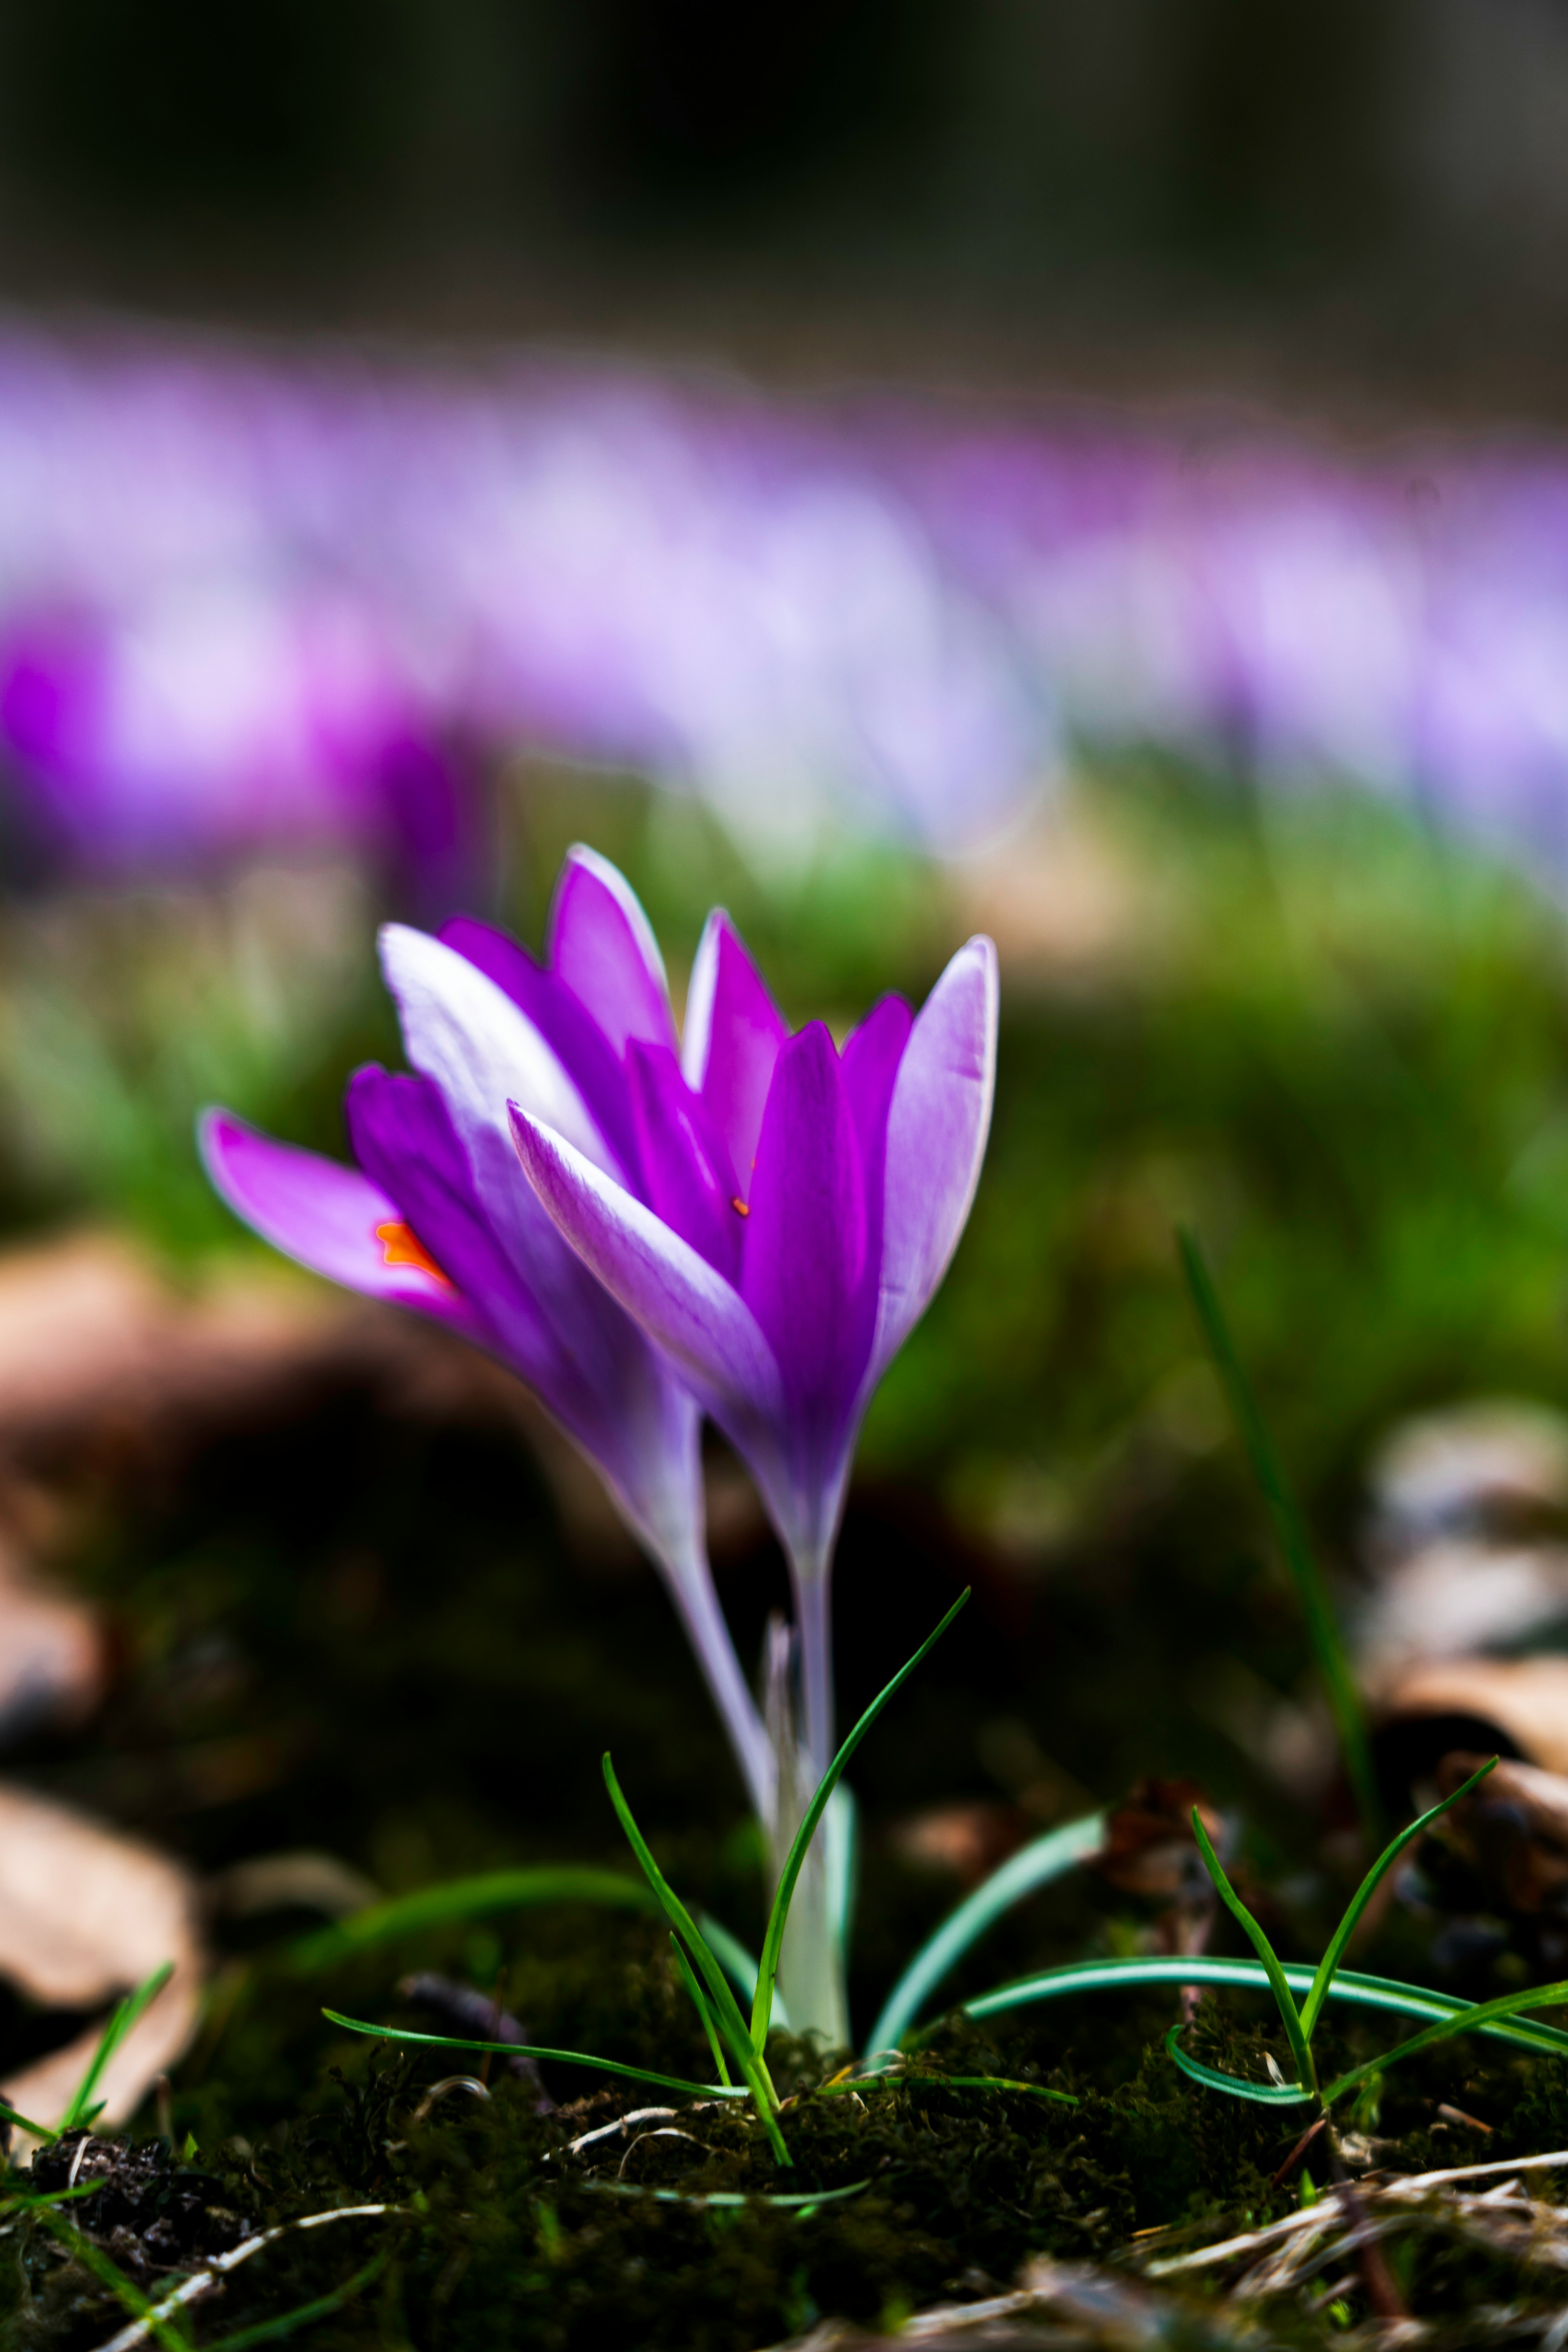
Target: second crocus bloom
(797,1205)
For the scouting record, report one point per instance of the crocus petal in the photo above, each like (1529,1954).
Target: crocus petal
(687,1180)
(601,944)
(404,1139)
(328,1217)
(687,1309)
(937,1126)
(547,1318)
(805,1260)
(871,1060)
(472,1041)
(734,1034)
(564,1023)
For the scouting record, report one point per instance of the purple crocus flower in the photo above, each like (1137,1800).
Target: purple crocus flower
(794,1207)
(798,1205)
(438,1217)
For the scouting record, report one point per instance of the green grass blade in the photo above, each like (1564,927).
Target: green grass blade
(528,2049)
(1265,2094)
(737,1963)
(305,2314)
(773,1942)
(1363,1897)
(39,2131)
(1035,1865)
(1468,2020)
(1322,1627)
(996,2083)
(124,2017)
(726,2008)
(1278,1984)
(1349,1986)
(730,2022)
(459,1900)
(162,2328)
(887,2081)
(703,2011)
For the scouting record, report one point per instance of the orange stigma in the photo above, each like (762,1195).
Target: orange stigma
(740,1208)
(401,1245)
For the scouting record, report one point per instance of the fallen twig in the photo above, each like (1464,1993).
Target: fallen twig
(1317,2220)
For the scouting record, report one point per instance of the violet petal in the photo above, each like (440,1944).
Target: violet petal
(683,1304)
(563,1022)
(871,1062)
(937,1125)
(404,1139)
(805,1254)
(734,1034)
(324,1215)
(688,1179)
(544,1315)
(461,1031)
(602,946)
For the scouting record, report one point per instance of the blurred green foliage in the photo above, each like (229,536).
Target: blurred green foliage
(1334,1043)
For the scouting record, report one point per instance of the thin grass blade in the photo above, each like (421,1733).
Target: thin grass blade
(1265,2094)
(726,2010)
(38,2131)
(305,2314)
(1289,1528)
(1278,1984)
(123,2018)
(887,2082)
(688,1980)
(773,1942)
(1340,1938)
(161,2325)
(1470,2020)
(527,2049)
(1035,1865)
(1349,1986)
(737,1963)
(996,2083)
(459,1900)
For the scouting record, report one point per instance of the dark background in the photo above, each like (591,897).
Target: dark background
(1375,189)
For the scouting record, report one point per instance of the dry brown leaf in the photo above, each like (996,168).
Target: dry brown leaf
(967,1841)
(86,1913)
(1523,1699)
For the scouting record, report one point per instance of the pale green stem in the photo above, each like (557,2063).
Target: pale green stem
(811,1962)
(691,1588)
(814,1621)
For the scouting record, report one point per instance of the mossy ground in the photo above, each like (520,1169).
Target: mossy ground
(501,2237)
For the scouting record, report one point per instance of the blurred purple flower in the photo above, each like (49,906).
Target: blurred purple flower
(246,601)
(437,1216)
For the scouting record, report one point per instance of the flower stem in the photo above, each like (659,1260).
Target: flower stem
(813,1618)
(691,1588)
(811,1962)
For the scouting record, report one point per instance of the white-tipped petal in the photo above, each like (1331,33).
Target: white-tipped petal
(698,1320)
(938,1123)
